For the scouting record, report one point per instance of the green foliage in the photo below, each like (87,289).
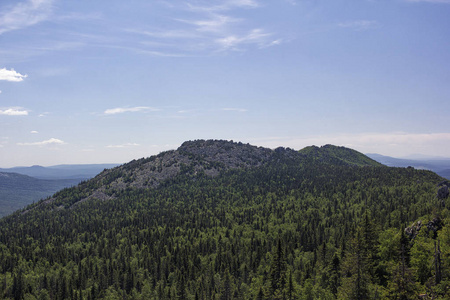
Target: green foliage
(293,228)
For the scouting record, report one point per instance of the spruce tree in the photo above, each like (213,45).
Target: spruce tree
(278,272)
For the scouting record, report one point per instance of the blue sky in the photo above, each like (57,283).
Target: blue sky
(111,81)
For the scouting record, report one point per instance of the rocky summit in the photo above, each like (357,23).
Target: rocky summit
(209,158)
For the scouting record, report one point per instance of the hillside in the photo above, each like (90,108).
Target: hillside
(18,191)
(224,220)
(338,155)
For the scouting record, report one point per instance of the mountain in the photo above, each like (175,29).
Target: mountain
(225,220)
(18,191)
(339,155)
(440,166)
(210,158)
(85,171)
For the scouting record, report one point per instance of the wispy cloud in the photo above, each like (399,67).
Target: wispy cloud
(214,6)
(120,110)
(127,145)
(51,141)
(256,37)
(430,1)
(186,111)
(235,109)
(34,132)
(24,14)
(359,25)
(11,75)
(79,16)
(215,23)
(14,111)
(207,27)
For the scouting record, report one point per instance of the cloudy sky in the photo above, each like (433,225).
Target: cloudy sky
(110,81)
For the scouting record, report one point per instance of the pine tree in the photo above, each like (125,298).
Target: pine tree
(278,272)
(437,263)
(181,286)
(402,286)
(260,295)
(356,277)
(226,290)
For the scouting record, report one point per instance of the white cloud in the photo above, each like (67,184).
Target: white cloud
(120,110)
(24,14)
(51,141)
(214,6)
(34,132)
(11,75)
(207,27)
(256,37)
(235,109)
(186,111)
(241,3)
(215,23)
(123,145)
(359,25)
(13,111)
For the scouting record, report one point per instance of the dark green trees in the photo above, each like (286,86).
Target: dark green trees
(296,228)
(278,273)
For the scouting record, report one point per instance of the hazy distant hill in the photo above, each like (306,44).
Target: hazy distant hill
(84,171)
(20,186)
(17,190)
(439,166)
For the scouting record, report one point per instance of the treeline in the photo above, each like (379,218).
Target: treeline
(289,230)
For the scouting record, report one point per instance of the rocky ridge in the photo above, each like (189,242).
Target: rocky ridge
(192,158)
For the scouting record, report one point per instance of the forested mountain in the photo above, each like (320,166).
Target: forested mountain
(18,191)
(224,220)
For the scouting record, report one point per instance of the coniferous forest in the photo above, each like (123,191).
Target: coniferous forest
(235,222)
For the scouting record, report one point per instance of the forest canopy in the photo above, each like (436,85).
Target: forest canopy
(322,223)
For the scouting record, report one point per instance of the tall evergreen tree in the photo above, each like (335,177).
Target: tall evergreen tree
(278,272)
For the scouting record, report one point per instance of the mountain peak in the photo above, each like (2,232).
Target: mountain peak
(338,155)
(207,158)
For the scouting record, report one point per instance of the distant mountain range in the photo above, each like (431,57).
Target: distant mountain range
(21,186)
(61,171)
(440,166)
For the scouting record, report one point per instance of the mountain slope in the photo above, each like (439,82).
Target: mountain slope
(339,155)
(17,190)
(224,220)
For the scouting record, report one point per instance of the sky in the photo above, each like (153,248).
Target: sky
(111,81)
